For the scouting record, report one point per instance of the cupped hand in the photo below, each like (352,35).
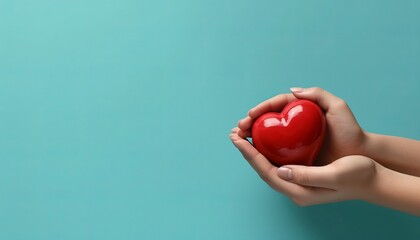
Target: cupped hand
(346,178)
(344,135)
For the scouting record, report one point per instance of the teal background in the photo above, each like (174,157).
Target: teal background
(115,115)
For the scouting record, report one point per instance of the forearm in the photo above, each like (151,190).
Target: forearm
(399,154)
(395,190)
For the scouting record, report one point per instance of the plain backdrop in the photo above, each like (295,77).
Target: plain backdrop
(115,115)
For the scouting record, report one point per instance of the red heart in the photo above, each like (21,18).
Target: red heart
(294,136)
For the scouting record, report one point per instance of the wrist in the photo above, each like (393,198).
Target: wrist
(370,144)
(369,183)
(394,190)
(372,190)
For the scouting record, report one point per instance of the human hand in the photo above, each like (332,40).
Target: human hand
(344,135)
(346,178)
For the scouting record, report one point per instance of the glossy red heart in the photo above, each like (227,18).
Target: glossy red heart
(294,136)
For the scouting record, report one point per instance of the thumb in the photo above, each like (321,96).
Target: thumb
(308,176)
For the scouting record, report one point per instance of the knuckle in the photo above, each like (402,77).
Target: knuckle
(340,104)
(317,89)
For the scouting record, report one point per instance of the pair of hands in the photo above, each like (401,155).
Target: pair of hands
(343,173)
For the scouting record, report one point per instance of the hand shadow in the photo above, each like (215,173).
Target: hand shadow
(345,220)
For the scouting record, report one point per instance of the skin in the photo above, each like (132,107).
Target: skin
(353,164)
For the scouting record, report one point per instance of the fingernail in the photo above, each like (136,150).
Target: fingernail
(284,173)
(297,89)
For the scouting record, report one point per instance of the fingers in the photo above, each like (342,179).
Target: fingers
(261,165)
(323,177)
(302,195)
(274,104)
(312,196)
(245,127)
(255,158)
(317,184)
(245,123)
(322,97)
